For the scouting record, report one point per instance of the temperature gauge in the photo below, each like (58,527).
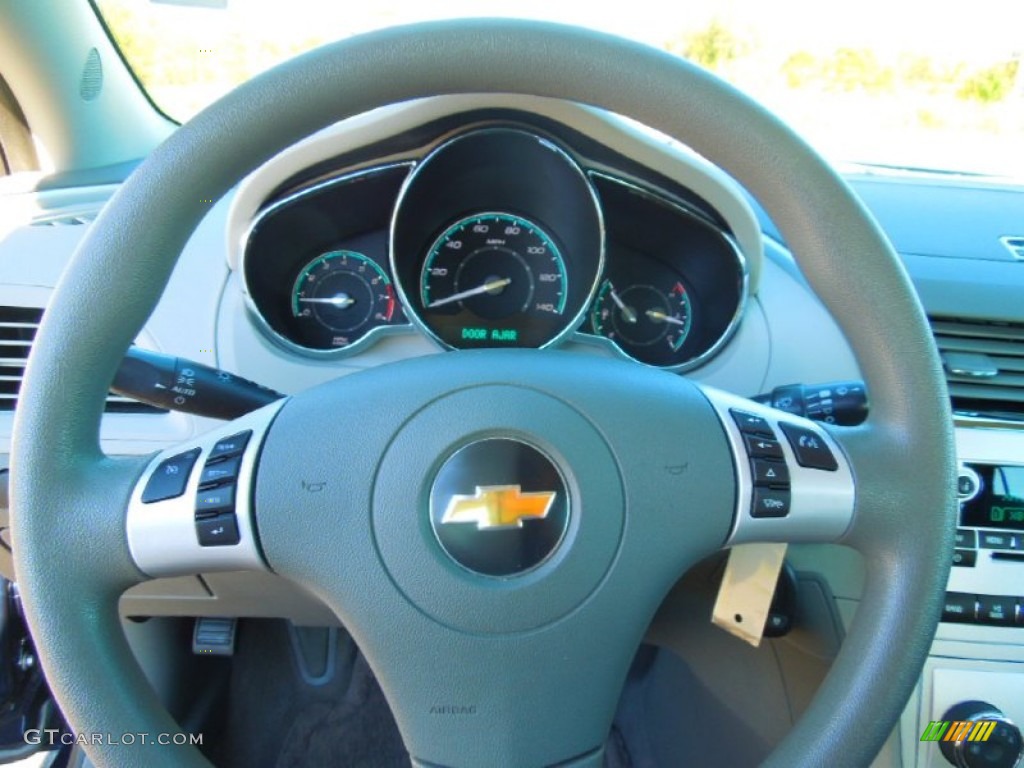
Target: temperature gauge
(649,323)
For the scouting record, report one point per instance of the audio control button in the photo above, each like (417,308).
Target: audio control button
(965,558)
(959,607)
(968,484)
(996,540)
(965,537)
(996,610)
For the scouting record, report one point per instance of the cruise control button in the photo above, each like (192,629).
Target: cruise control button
(767,472)
(965,558)
(751,424)
(996,610)
(959,607)
(221,472)
(215,500)
(170,478)
(993,540)
(965,537)
(809,448)
(761,448)
(768,502)
(219,531)
(230,446)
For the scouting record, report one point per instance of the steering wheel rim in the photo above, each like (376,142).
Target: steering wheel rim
(63,487)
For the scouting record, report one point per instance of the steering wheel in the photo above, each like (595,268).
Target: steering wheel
(649,471)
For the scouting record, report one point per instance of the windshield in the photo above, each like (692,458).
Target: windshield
(933,85)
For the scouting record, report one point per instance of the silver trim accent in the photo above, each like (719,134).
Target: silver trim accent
(822,502)
(987,422)
(374,334)
(741,262)
(410,308)
(162,535)
(1015,245)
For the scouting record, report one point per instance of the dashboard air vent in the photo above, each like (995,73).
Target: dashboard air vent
(65,219)
(984,363)
(1015,245)
(18,327)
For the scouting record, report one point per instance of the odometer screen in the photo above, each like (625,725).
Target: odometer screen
(1000,504)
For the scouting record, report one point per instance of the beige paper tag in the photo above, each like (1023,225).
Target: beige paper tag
(748,585)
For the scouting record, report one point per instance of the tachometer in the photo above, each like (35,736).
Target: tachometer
(492,280)
(345,294)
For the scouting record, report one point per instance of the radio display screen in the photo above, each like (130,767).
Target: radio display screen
(1000,502)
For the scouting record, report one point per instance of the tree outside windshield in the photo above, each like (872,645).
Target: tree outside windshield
(932,85)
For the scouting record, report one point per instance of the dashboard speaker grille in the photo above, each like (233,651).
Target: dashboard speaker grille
(92,76)
(984,364)
(18,327)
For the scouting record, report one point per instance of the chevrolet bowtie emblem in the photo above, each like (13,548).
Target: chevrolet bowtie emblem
(498,506)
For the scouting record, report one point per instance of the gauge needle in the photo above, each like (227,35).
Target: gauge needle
(628,314)
(488,287)
(661,317)
(341,301)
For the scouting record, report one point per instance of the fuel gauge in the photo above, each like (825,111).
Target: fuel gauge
(647,322)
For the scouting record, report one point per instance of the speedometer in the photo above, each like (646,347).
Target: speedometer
(497,240)
(495,279)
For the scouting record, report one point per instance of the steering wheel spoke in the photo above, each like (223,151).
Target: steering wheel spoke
(794,482)
(191,510)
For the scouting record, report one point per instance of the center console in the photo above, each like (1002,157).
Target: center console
(975,673)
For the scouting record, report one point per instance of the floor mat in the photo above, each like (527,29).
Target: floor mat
(276,719)
(356,730)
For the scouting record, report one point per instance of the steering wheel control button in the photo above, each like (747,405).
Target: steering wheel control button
(768,473)
(750,424)
(965,558)
(170,478)
(499,507)
(219,531)
(966,537)
(768,502)
(809,447)
(959,607)
(215,500)
(762,448)
(216,473)
(230,446)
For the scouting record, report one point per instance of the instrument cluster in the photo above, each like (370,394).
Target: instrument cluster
(497,237)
